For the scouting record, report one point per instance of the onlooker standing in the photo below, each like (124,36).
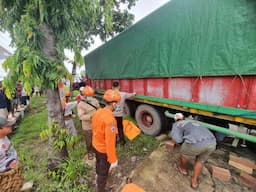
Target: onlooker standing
(80,96)
(37,91)
(68,114)
(85,109)
(24,97)
(119,111)
(14,103)
(19,91)
(3,103)
(198,144)
(104,138)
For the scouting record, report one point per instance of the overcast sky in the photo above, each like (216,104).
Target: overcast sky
(142,9)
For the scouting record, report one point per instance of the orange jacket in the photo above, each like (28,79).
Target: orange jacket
(104,133)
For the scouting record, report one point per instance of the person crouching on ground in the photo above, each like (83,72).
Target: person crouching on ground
(8,158)
(85,109)
(104,129)
(198,144)
(119,111)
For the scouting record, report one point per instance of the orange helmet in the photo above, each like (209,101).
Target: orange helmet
(112,96)
(67,94)
(88,91)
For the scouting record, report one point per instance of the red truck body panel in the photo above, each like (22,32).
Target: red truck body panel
(229,91)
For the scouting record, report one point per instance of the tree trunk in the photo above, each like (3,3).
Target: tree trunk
(55,113)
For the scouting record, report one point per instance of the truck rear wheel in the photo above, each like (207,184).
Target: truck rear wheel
(148,119)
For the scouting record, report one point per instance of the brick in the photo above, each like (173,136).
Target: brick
(248,180)
(170,145)
(161,137)
(244,161)
(221,173)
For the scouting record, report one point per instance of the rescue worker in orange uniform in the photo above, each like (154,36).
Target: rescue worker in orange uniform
(104,129)
(85,109)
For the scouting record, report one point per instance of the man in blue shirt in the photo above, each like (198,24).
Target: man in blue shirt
(197,144)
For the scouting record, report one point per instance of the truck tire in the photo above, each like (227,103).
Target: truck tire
(148,119)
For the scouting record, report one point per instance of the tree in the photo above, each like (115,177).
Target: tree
(42,29)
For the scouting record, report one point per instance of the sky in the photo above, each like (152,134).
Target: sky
(140,10)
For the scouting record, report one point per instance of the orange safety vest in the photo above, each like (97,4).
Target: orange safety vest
(104,133)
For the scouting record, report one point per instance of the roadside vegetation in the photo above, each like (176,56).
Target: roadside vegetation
(73,174)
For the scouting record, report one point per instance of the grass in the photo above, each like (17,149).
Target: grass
(31,150)
(142,145)
(74,175)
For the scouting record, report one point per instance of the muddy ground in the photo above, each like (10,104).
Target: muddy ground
(158,173)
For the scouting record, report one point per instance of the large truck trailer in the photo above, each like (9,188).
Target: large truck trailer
(192,56)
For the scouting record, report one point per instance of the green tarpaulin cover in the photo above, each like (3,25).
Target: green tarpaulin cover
(182,38)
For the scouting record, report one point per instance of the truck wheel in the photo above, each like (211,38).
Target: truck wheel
(148,120)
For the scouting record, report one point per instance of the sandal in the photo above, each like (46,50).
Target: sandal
(194,186)
(183,172)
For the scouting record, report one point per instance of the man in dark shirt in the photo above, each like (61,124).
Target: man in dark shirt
(3,103)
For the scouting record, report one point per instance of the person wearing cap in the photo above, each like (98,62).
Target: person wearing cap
(85,109)
(8,155)
(80,96)
(119,111)
(197,144)
(104,129)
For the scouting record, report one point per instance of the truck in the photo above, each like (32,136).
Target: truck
(197,57)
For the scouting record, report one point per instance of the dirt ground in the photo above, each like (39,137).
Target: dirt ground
(158,173)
